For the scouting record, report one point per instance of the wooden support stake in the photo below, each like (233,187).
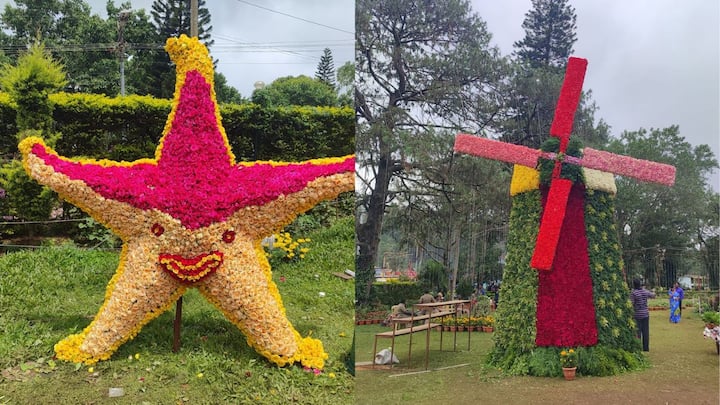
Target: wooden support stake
(176,325)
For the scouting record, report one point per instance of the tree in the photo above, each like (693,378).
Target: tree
(80,41)
(658,225)
(326,69)
(419,66)
(85,44)
(433,277)
(345,81)
(295,90)
(226,93)
(171,19)
(534,86)
(29,83)
(549,34)
(443,203)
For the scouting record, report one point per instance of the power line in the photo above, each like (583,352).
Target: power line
(295,17)
(241,43)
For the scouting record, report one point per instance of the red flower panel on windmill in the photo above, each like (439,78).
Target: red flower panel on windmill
(640,169)
(568,100)
(551,224)
(565,310)
(496,150)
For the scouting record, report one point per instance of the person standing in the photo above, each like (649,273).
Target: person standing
(426,298)
(639,296)
(674,305)
(681,292)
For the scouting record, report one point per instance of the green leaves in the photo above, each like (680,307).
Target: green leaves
(29,83)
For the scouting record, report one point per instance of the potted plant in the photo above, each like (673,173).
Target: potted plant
(569,362)
(360,316)
(461,324)
(488,323)
(473,323)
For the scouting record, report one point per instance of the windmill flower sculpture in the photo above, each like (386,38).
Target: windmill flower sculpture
(563,211)
(191,218)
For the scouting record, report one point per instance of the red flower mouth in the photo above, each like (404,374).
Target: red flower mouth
(193,269)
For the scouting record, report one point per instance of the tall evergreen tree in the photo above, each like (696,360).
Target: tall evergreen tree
(549,33)
(534,86)
(326,69)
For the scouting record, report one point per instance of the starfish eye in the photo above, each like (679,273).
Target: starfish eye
(228,236)
(157,229)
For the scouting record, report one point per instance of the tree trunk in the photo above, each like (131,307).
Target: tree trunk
(368,233)
(455,257)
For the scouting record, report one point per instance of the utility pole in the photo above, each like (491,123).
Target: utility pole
(177,324)
(193,18)
(122,20)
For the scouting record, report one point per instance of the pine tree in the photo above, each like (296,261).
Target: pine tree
(549,33)
(326,69)
(172,18)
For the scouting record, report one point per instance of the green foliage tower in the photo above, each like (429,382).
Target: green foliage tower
(617,349)
(29,84)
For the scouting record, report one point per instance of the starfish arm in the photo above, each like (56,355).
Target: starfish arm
(117,215)
(137,293)
(244,291)
(260,221)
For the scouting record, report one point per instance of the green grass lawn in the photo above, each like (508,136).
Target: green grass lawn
(684,369)
(48,294)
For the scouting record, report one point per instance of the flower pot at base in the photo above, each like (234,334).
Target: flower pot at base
(569,373)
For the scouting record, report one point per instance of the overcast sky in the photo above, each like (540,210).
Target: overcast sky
(651,63)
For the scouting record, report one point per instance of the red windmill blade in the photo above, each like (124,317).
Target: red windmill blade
(554,213)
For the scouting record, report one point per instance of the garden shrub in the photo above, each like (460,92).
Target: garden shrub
(393,293)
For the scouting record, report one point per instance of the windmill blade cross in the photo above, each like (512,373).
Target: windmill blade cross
(555,207)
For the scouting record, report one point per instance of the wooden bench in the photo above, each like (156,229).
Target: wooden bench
(438,312)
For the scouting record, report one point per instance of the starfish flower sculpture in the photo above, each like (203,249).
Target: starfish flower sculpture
(191,218)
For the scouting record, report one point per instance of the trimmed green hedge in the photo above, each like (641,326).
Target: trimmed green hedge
(128,128)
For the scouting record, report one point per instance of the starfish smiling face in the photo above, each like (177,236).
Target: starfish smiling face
(191,217)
